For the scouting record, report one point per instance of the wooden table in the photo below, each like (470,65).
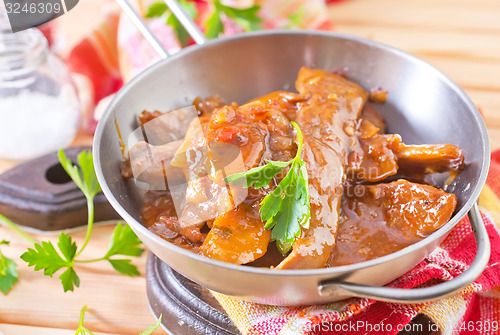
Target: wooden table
(460,37)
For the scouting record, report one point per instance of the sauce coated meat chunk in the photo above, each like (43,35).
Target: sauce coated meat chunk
(385,218)
(378,156)
(333,104)
(237,236)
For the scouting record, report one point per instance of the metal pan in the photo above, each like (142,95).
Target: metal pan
(424,106)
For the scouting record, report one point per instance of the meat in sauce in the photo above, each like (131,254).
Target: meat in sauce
(333,104)
(358,211)
(385,218)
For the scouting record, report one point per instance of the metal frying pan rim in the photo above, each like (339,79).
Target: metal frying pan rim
(110,113)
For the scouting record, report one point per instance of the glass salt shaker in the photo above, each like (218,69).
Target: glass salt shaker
(39,107)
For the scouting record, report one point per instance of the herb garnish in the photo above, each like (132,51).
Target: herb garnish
(246,18)
(158,9)
(123,241)
(81,329)
(84,331)
(153,327)
(286,209)
(8,271)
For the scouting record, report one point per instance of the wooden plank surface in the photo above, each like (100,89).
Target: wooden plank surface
(459,37)
(29,330)
(116,304)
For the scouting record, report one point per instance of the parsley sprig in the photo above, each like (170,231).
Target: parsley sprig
(8,271)
(84,331)
(286,210)
(84,177)
(159,9)
(152,328)
(124,242)
(81,328)
(246,18)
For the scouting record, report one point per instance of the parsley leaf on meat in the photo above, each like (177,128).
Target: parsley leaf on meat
(286,210)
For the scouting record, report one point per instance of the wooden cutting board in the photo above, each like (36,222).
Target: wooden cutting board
(459,37)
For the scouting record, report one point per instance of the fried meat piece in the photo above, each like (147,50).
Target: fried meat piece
(333,105)
(380,219)
(376,157)
(237,236)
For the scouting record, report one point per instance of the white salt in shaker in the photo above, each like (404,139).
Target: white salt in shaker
(39,109)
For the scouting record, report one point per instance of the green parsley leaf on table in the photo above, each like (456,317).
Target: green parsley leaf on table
(44,256)
(8,271)
(124,242)
(83,175)
(152,328)
(67,247)
(124,266)
(286,210)
(84,331)
(69,279)
(81,329)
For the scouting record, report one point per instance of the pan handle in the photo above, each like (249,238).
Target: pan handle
(435,292)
